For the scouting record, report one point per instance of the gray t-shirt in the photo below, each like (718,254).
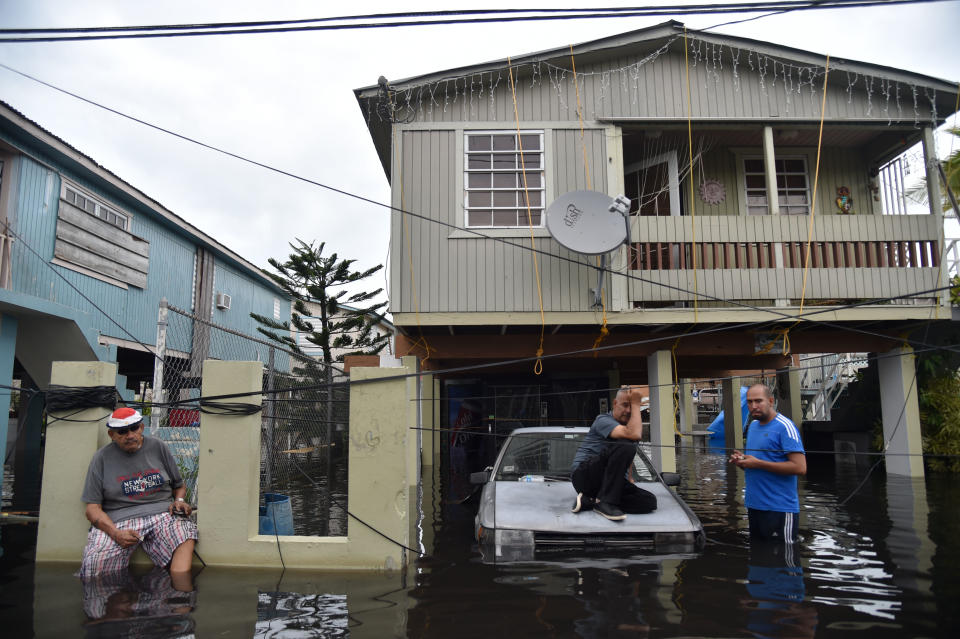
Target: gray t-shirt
(597,439)
(132,484)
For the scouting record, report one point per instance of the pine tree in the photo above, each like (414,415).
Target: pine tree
(346,321)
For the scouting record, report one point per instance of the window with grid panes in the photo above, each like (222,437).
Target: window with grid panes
(494,170)
(94,208)
(792,185)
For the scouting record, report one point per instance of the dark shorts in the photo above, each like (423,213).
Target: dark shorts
(772,525)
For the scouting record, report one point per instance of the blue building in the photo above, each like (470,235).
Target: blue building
(85,259)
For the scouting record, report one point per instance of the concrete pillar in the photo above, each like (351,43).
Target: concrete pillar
(732,416)
(788,394)
(660,380)
(377,485)
(688,412)
(229,448)
(901,413)
(69,447)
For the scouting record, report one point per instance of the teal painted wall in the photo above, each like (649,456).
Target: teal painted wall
(127,313)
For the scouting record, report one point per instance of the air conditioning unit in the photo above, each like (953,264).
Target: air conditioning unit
(223,301)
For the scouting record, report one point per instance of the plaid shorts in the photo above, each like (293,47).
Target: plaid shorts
(160,535)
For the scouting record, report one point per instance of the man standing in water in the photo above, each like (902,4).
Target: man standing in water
(599,470)
(771,470)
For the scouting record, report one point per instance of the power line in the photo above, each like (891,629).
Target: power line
(479,234)
(391,20)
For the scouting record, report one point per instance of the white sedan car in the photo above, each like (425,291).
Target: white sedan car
(525,506)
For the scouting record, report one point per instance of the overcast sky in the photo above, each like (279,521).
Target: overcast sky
(287,99)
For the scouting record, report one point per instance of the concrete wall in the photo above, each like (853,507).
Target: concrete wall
(378,483)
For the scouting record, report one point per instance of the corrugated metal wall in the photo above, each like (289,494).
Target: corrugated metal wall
(170,270)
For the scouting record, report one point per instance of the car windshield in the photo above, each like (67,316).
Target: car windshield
(550,454)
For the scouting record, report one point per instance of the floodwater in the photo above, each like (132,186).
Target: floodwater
(880,557)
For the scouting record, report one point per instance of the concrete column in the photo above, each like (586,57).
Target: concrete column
(688,413)
(660,379)
(377,489)
(901,413)
(788,394)
(732,417)
(69,447)
(229,448)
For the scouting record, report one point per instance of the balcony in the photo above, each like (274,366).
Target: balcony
(759,260)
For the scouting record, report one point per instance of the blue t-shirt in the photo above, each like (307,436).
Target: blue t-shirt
(597,439)
(772,442)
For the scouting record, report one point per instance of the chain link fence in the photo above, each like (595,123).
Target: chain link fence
(303,458)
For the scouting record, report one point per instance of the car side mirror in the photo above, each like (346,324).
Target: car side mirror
(670,479)
(480,477)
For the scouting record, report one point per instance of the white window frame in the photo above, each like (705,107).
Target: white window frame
(95,206)
(783,194)
(518,189)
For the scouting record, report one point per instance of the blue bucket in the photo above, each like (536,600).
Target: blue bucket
(276,516)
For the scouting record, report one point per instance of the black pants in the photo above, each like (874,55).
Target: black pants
(604,477)
(772,525)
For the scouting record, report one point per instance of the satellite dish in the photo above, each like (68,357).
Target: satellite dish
(588,222)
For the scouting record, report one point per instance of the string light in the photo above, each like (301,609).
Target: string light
(774,76)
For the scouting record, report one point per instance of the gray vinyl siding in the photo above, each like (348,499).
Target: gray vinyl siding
(611,89)
(472,273)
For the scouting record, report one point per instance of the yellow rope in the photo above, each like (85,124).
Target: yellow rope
(413,279)
(693,208)
(538,367)
(813,207)
(583,144)
(604,331)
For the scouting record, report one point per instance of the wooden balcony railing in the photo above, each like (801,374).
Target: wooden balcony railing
(762,258)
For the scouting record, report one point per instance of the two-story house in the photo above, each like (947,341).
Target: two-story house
(85,260)
(766,218)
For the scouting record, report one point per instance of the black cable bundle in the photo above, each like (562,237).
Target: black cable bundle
(60,398)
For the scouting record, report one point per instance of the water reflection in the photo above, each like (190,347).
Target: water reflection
(776,604)
(877,560)
(124,605)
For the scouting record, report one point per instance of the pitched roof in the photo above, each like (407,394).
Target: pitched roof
(85,163)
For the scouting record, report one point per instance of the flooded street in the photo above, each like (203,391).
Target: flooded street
(877,560)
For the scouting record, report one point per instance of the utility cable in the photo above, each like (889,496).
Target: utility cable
(173,31)
(452,226)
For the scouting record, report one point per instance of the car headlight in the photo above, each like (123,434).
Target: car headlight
(513,537)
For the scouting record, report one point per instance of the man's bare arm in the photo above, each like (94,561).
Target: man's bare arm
(796,463)
(100,521)
(633,429)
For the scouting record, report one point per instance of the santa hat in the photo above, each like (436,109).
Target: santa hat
(124,417)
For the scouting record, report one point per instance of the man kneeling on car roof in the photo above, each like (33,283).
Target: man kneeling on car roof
(600,467)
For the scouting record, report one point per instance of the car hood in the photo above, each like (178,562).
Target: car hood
(545,507)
